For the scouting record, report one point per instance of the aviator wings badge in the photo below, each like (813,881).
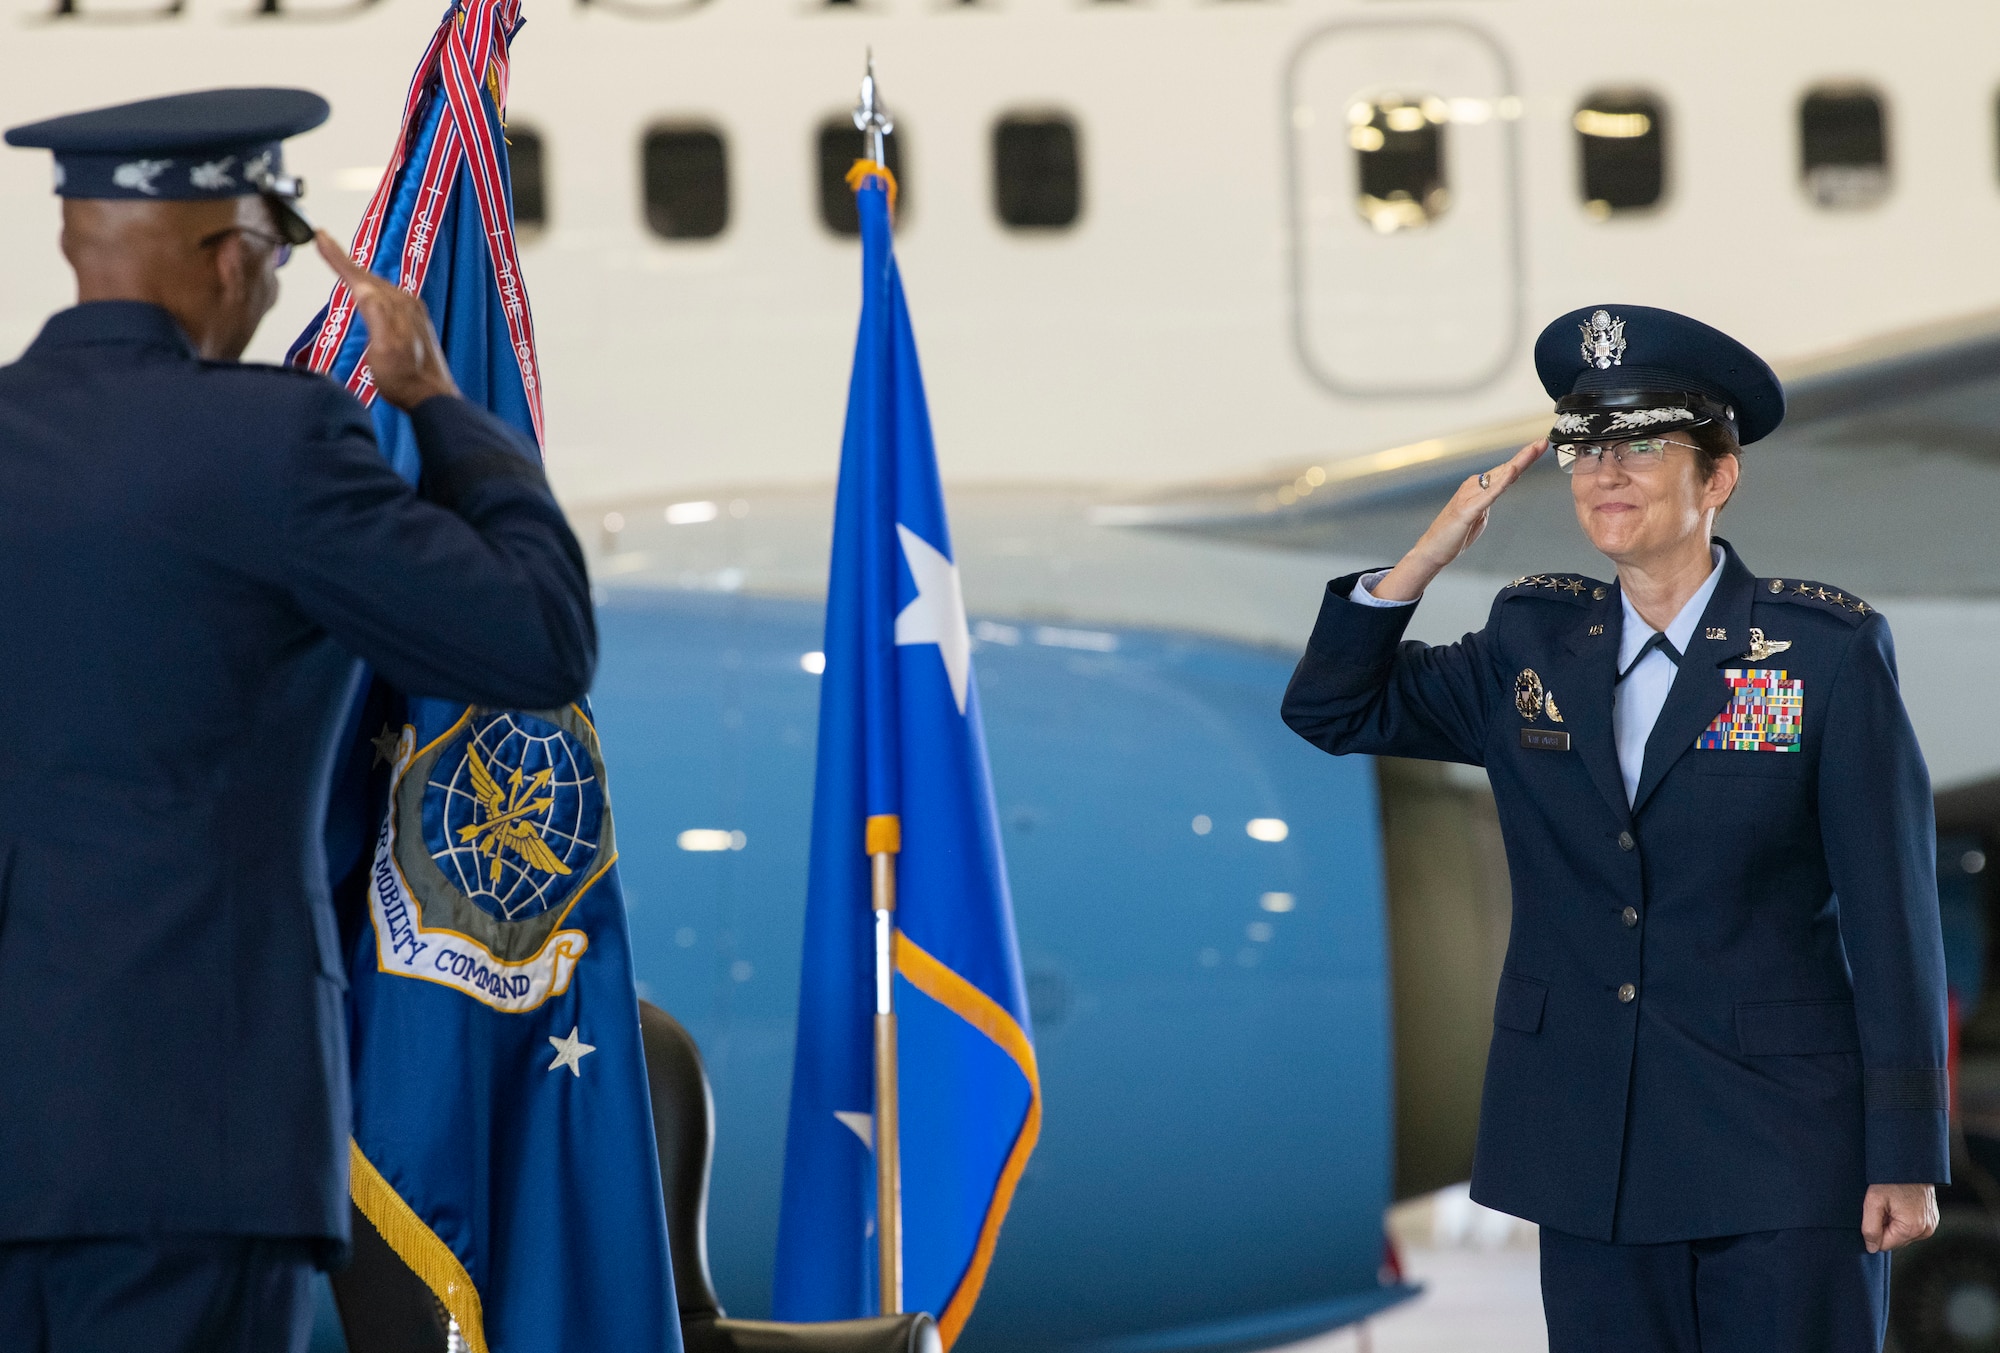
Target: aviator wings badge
(1762,648)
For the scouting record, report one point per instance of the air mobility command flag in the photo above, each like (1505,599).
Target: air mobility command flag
(900,739)
(503,1140)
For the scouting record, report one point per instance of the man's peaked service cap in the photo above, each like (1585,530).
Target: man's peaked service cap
(213,143)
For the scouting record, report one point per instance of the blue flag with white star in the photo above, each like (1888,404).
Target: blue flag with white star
(900,737)
(503,1134)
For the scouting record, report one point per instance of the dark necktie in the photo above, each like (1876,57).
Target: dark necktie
(1660,642)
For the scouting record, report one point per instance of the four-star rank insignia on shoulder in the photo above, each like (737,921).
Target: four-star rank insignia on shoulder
(1818,596)
(1560,586)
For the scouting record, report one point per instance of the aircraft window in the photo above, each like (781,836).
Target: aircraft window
(687,182)
(527,167)
(1400,145)
(839,148)
(687,179)
(1621,145)
(1037,177)
(1844,147)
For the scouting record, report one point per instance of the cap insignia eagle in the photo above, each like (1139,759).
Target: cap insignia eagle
(1603,340)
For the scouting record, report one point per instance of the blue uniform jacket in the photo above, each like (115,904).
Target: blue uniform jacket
(197,556)
(1780,1042)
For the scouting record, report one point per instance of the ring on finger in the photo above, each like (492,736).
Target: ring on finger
(1484,482)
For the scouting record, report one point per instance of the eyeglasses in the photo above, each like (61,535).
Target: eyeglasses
(1637,455)
(281,250)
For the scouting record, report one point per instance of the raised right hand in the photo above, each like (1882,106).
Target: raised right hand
(403,355)
(1455,528)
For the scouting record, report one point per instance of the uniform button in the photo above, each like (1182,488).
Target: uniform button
(1627,992)
(1630,916)
(1625,841)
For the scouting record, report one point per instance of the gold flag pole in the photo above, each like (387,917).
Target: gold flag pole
(885,842)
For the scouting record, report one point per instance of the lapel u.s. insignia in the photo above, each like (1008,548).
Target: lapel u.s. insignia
(1762,648)
(1765,713)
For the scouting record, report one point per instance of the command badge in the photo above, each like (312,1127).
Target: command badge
(494,830)
(1528,694)
(1765,712)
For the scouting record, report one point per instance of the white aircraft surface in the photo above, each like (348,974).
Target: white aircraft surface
(1224,299)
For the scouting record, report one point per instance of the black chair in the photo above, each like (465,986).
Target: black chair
(385,1308)
(684,1124)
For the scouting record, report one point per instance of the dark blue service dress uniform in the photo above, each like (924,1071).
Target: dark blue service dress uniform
(1721,1015)
(198,558)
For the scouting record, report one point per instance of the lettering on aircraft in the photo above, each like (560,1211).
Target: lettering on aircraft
(312,11)
(75,11)
(639,10)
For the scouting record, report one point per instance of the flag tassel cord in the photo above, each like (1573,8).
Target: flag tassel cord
(884,842)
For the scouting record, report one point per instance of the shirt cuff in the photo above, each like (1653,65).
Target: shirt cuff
(1364,591)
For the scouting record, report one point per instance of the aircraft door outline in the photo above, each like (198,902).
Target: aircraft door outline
(1427,299)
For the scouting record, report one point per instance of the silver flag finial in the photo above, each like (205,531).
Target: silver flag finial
(871,118)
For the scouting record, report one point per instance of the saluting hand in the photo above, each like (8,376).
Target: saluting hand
(403,351)
(1452,534)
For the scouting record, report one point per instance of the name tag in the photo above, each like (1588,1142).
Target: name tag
(1545,739)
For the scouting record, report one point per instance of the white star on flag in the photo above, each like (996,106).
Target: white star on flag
(937,613)
(570,1051)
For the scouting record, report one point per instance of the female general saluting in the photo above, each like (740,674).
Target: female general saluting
(1717,1076)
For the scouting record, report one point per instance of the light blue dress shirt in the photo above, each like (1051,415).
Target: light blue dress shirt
(1636,704)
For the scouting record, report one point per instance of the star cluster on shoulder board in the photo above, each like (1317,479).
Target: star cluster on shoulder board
(1574,586)
(1805,591)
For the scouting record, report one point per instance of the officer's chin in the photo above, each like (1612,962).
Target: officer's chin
(1617,535)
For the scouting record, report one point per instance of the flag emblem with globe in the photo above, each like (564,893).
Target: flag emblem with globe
(513,812)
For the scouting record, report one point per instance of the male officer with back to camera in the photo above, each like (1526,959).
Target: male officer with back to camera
(1717,1076)
(199,554)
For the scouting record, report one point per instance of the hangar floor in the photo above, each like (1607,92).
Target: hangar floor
(1482,1285)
